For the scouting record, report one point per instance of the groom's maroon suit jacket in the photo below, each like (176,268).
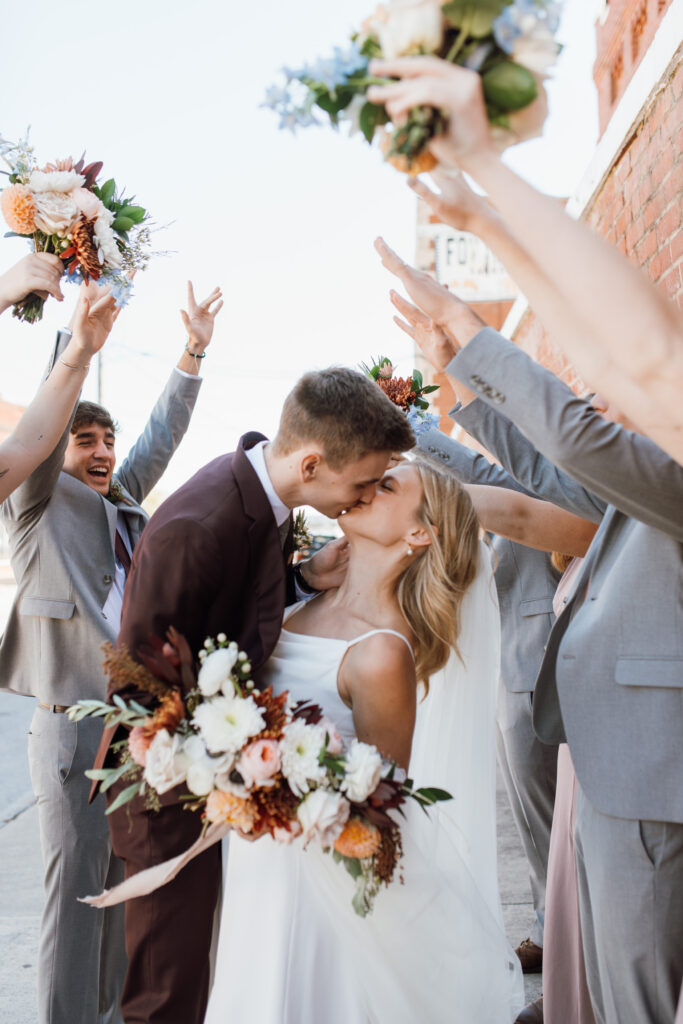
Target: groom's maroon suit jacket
(209,561)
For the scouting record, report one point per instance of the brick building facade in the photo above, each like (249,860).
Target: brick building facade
(632,193)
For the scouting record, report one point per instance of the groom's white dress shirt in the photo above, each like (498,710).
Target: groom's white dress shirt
(257,458)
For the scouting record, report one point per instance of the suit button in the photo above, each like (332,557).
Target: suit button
(107,578)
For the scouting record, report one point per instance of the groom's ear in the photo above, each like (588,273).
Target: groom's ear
(310,466)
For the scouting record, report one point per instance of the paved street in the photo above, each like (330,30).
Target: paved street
(21,872)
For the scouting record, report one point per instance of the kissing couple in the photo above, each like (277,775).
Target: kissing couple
(393,630)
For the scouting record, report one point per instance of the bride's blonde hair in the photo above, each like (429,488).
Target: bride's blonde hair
(431,589)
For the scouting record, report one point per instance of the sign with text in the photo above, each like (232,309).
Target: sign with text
(468,268)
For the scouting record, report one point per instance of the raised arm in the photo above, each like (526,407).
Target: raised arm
(485,422)
(31,458)
(530,521)
(614,325)
(170,417)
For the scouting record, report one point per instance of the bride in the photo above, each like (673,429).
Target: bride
(404,655)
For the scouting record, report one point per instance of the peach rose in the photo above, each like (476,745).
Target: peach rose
(139,743)
(87,202)
(259,761)
(334,740)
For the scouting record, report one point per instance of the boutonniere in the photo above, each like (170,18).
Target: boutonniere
(116,495)
(303,540)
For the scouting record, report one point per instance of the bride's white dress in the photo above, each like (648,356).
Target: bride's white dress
(291,949)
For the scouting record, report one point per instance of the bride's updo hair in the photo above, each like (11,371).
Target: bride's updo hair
(431,589)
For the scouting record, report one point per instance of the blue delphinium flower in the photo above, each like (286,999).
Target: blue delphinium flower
(524,17)
(422,420)
(121,286)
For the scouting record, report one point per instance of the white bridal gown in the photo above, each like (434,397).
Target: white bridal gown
(291,950)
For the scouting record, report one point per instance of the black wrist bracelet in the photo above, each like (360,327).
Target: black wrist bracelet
(195,355)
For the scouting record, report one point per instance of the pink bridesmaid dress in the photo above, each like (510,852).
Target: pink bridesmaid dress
(565,990)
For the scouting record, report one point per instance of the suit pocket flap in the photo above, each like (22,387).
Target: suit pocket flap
(541,606)
(47,608)
(649,672)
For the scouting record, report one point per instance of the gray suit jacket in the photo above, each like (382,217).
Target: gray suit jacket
(61,535)
(611,682)
(525,578)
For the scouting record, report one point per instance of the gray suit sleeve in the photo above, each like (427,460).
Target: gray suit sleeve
(35,492)
(467,465)
(623,468)
(533,471)
(165,429)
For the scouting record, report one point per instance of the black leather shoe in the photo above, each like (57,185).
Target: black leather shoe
(532,1014)
(530,956)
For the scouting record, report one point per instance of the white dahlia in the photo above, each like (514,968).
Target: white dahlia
(300,748)
(226,723)
(55,181)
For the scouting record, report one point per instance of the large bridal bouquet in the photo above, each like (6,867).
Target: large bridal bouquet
(405,392)
(510,43)
(99,233)
(251,760)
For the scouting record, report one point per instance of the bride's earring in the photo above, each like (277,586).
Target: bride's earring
(410,552)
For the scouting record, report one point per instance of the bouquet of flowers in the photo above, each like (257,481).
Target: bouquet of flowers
(405,392)
(251,760)
(98,232)
(510,43)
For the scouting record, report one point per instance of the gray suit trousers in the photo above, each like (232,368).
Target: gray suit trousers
(529,770)
(630,877)
(81,958)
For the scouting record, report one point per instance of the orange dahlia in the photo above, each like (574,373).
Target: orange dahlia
(18,209)
(225,807)
(358,839)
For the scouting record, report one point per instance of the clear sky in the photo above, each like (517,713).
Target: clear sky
(167,94)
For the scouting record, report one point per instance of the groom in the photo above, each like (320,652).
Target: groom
(214,559)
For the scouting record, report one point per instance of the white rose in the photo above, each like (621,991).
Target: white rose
(408,26)
(56,212)
(55,181)
(363,771)
(200,767)
(215,671)
(322,816)
(105,240)
(165,765)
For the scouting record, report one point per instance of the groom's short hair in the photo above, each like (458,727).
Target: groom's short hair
(346,413)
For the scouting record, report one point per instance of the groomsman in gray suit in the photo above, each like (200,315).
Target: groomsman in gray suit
(611,683)
(72,528)
(526,582)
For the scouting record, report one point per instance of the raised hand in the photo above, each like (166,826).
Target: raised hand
(39,272)
(199,318)
(455,203)
(92,322)
(457,320)
(434,343)
(428,81)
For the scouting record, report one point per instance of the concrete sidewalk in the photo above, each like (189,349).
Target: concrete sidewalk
(21,902)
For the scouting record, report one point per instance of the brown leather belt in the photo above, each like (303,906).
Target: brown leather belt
(56,709)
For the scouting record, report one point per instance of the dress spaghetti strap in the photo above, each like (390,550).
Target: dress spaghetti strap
(373,632)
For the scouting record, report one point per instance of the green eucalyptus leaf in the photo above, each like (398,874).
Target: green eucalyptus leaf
(135,213)
(122,223)
(477,16)
(124,797)
(509,86)
(430,387)
(371,116)
(107,191)
(353,866)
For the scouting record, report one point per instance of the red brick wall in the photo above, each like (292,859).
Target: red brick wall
(639,208)
(622,40)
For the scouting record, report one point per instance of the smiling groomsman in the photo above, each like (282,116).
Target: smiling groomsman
(72,528)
